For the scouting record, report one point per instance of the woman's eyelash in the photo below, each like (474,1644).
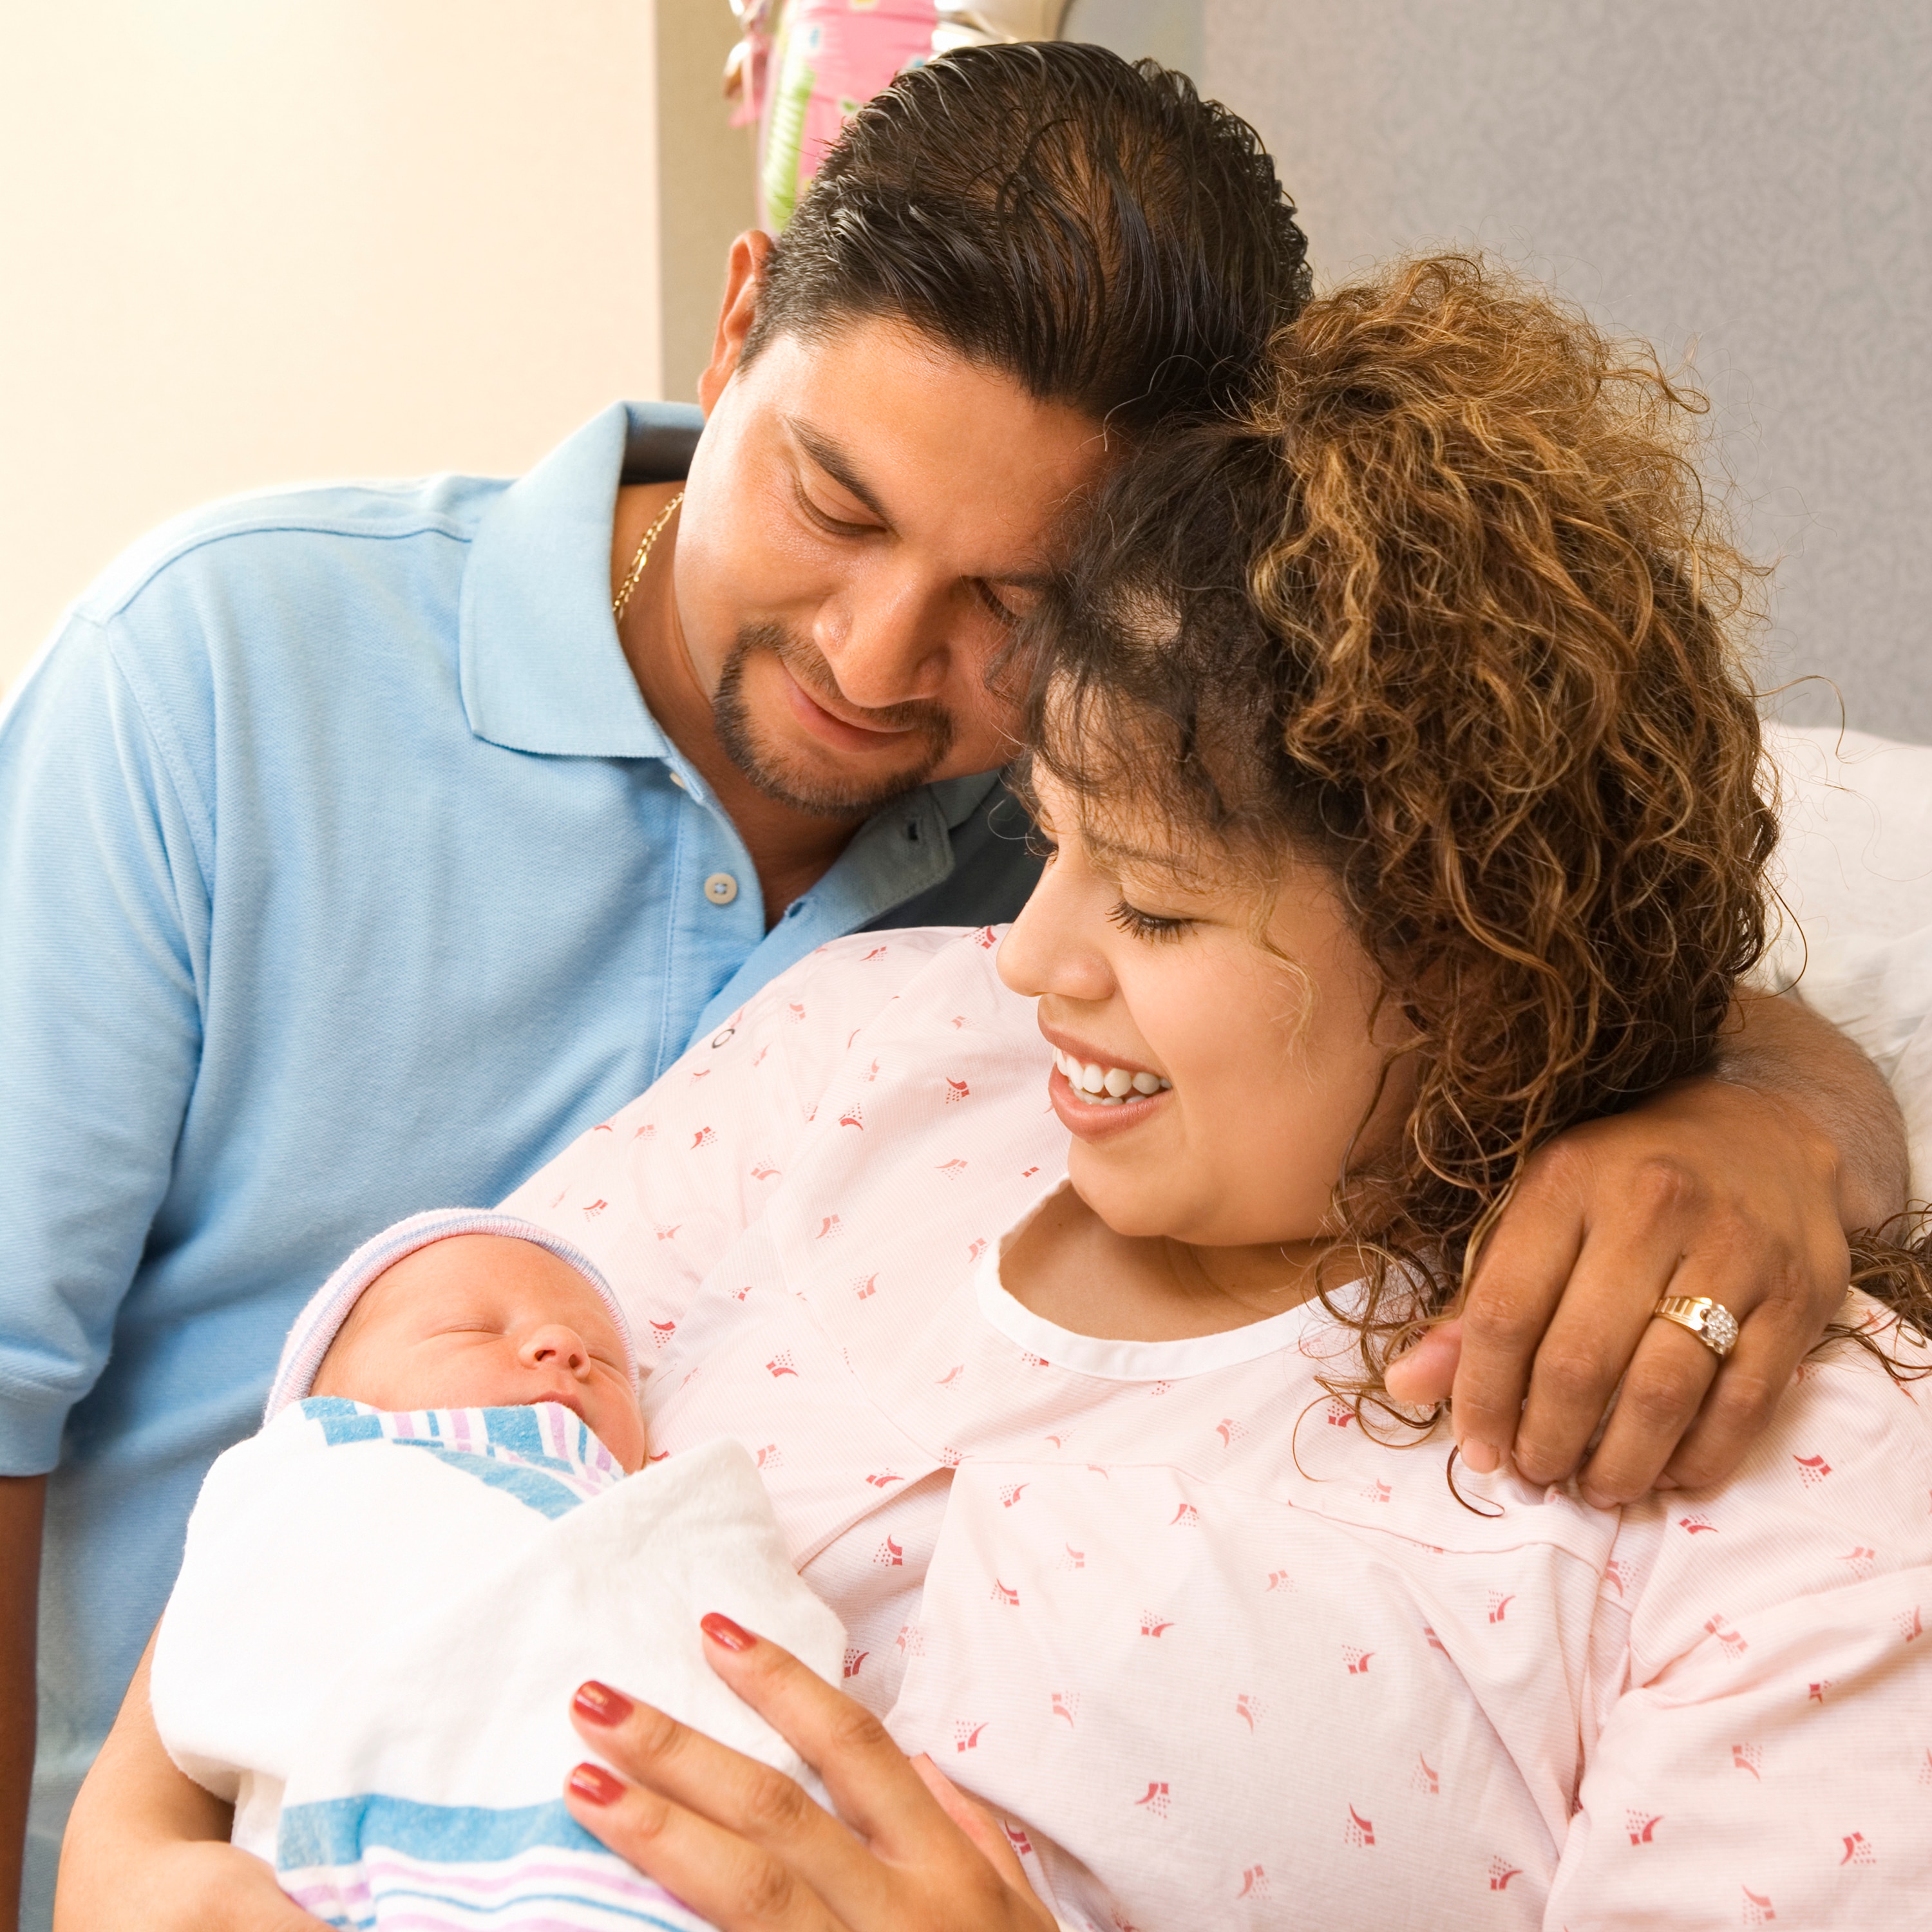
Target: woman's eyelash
(1146,925)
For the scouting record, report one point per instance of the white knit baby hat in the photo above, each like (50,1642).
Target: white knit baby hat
(319,1322)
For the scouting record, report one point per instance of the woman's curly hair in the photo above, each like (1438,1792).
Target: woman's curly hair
(1450,610)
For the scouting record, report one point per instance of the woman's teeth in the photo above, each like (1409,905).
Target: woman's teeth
(1106,1086)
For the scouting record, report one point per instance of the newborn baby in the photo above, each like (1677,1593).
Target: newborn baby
(389,1594)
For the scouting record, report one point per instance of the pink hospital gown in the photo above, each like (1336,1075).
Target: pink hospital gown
(1218,1657)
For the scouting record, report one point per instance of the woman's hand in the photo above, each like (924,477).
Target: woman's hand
(1740,1192)
(147,1849)
(744,1846)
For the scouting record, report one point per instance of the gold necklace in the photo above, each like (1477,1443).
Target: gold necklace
(637,563)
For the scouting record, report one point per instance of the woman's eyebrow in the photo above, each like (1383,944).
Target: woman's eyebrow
(1097,841)
(837,464)
(1184,875)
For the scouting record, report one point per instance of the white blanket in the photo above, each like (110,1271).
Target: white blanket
(378,1626)
(1854,867)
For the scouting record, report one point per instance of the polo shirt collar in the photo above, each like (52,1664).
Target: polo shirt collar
(542,668)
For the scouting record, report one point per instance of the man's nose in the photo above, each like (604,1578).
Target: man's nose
(885,636)
(555,1346)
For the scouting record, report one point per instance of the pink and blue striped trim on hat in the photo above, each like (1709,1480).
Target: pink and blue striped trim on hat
(318,1324)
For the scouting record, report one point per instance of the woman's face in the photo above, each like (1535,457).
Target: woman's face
(1151,972)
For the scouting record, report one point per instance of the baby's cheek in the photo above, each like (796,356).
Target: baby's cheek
(620,1427)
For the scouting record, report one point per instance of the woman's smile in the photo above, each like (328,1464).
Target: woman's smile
(1105,1084)
(1100,1116)
(1096,1094)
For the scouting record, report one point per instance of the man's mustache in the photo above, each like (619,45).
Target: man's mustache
(810,668)
(854,795)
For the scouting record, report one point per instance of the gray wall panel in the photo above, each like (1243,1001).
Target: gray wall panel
(1752,178)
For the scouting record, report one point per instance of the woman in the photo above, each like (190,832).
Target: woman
(1401,783)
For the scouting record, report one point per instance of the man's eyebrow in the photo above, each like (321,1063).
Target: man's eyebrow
(837,465)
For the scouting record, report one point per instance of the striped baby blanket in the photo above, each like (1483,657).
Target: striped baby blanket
(378,1625)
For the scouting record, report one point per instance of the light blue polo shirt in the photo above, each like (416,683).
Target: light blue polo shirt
(343,873)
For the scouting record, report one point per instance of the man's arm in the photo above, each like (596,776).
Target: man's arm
(21,1500)
(1784,1050)
(1740,1184)
(99,1014)
(147,1849)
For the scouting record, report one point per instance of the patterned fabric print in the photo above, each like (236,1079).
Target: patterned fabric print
(543,1455)
(540,1454)
(369,1863)
(1205,1645)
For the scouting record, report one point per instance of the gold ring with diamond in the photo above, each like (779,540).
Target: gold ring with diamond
(1711,1321)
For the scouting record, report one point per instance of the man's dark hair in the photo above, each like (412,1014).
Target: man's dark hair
(1094,228)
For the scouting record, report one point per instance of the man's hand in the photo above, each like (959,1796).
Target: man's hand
(22,1500)
(1740,1185)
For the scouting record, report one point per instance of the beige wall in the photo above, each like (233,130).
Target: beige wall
(705,174)
(243,241)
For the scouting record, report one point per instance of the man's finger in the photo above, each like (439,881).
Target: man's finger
(1518,1279)
(1771,1343)
(1595,1342)
(1426,1373)
(1666,1382)
(1781,1309)
(740,1886)
(739,1796)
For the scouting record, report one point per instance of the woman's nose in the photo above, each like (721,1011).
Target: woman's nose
(554,1345)
(1048,948)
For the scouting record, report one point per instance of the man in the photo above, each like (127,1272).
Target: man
(356,856)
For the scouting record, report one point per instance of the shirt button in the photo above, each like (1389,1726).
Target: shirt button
(721,889)
(677,779)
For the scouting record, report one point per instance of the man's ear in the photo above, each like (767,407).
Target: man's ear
(744,276)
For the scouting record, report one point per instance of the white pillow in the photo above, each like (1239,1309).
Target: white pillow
(1854,866)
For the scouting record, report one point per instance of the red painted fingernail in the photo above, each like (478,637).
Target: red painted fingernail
(598,1704)
(594,1785)
(720,1630)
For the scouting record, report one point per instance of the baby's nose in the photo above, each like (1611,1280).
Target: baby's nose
(554,1346)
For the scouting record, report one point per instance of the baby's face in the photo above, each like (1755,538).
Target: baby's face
(487,1321)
